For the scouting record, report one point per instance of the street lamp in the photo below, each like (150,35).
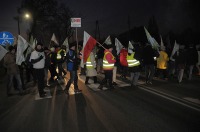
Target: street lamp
(26,16)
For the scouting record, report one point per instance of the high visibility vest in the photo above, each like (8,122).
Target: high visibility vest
(132,61)
(59,55)
(106,65)
(89,63)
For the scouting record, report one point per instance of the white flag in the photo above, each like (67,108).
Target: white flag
(66,43)
(34,43)
(108,41)
(53,38)
(176,48)
(118,45)
(22,44)
(151,40)
(161,42)
(130,47)
(3,51)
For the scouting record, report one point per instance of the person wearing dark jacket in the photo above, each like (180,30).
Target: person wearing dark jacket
(72,67)
(192,59)
(149,62)
(47,65)
(53,65)
(180,60)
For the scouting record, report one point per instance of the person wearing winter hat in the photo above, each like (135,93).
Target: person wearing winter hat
(37,58)
(108,65)
(12,71)
(72,67)
(133,59)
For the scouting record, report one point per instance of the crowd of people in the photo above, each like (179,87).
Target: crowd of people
(160,63)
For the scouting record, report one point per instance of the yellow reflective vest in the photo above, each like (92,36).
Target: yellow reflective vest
(89,64)
(106,65)
(132,61)
(59,55)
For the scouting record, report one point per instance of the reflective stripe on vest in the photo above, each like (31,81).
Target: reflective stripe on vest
(59,55)
(89,63)
(106,65)
(132,61)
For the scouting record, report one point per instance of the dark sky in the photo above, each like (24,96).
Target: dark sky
(112,15)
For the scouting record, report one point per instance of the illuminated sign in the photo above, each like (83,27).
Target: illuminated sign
(75,22)
(6,38)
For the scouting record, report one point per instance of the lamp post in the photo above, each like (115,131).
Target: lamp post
(26,16)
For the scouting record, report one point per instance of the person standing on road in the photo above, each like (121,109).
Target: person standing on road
(53,65)
(47,65)
(133,59)
(198,63)
(192,59)
(162,61)
(37,58)
(60,60)
(72,67)
(108,65)
(91,68)
(180,58)
(12,71)
(148,60)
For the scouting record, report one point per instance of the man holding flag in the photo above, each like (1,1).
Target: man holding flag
(108,65)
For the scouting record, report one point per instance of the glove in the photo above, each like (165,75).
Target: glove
(41,57)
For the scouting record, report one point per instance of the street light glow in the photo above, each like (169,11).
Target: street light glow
(27,15)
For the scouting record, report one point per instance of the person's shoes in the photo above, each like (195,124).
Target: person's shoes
(86,83)
(114,83)
(43,95)
(66,92)
(77,90)
(9,94)
(150,83)
(22,93)
(100,87)
(47,85)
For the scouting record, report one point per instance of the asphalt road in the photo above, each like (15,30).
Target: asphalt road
(156,108)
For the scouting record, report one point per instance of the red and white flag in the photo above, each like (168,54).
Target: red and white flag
(88,45)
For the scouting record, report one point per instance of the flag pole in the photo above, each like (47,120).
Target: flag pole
(76,41)
(101,45)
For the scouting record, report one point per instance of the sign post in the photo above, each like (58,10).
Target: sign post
(76,22)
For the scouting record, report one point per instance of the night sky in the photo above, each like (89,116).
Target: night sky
(112,15)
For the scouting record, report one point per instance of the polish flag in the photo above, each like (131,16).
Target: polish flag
(88,45)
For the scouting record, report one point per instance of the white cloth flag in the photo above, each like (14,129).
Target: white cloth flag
(22,44)
(151,40)
(53,38)
(66,43)
(108,41)
(161,42)
(176,48)
(34,43)
(118,45)
(130,47)
(3,51)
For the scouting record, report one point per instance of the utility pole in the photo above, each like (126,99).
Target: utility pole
(129,27)
(97,31)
